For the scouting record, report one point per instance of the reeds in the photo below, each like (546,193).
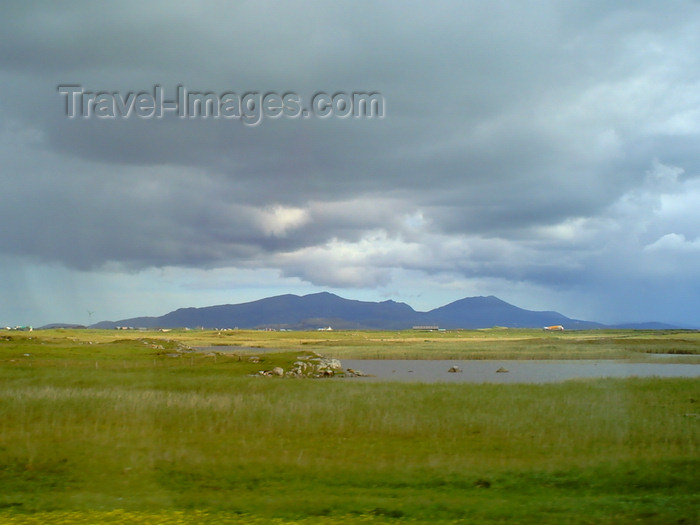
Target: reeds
(154,435)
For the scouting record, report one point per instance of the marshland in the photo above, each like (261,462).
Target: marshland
(143,427)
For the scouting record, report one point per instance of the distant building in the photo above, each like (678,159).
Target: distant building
(428,328)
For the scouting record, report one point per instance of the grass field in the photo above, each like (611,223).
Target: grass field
(130,427)
(495,343)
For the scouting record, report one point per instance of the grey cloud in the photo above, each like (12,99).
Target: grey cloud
(516,143)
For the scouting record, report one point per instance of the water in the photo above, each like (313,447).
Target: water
(517,371)
(478,371)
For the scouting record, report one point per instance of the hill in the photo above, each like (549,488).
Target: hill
(483,312)
(326,309)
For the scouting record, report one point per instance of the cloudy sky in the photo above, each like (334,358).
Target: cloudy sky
(544,152)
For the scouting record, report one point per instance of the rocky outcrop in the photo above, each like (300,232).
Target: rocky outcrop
(315,366)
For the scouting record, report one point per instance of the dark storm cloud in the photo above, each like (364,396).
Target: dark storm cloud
(514,135)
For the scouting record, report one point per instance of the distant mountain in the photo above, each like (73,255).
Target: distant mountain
(652,325)
(326,309)
(54,326)
(481,312)
(283,311)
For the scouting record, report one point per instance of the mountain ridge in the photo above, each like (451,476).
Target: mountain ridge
(324,309)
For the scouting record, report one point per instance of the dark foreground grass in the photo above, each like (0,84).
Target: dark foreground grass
(122,433)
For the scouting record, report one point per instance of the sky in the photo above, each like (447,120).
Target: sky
(543,152)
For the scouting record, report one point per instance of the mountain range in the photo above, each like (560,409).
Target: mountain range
(325,309)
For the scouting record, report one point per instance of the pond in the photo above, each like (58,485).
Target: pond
(486,371)
(513,371)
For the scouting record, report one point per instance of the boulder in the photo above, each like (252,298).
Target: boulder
(332,364)
(318,366)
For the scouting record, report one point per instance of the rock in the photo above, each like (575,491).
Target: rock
(300,369)
(277,371)
(502,371)
(358,373)
(326,367)
(318,366)
(455,370)
(333,364)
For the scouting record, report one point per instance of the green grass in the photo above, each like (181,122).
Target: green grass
(121,431)
(408,344)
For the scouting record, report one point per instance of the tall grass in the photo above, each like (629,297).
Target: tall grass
(144,432)
(266,445)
